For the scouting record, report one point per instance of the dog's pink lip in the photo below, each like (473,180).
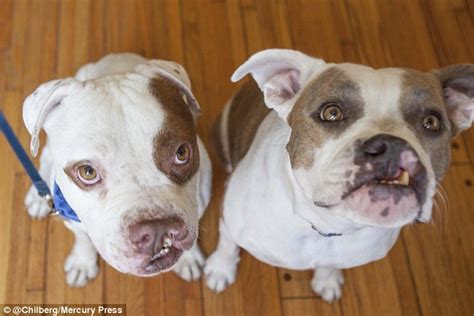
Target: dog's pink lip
(164,263)
(383,181)
(383,205)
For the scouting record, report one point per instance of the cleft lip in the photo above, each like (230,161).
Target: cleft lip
(158,263)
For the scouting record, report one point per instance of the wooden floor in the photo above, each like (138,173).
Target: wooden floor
(430,271)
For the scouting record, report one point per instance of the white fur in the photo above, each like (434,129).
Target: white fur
(110,118)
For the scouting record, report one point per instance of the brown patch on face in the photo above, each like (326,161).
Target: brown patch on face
(309,132)
(246,113)
(178,129)
(422,95)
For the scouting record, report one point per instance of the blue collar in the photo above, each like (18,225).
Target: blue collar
(61,206)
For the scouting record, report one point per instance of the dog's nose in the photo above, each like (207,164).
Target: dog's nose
(149,237)
(383,144)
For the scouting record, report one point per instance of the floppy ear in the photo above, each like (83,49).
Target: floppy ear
(40,103)
(280,74)
(174,72)
(458,89)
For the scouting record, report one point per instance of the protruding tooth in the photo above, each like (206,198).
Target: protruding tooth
(167,242)
(404,178)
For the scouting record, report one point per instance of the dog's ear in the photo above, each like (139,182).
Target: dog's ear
(458,89)
(280,74)
(174,72)
(41,102)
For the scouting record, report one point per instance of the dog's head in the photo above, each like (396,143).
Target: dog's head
(125,155)
(368,145)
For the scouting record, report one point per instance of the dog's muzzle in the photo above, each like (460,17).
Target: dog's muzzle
(161,242)
(390,185)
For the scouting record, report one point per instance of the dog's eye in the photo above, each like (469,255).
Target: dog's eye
(183,153)
(432,123)
(331,112)
(88,175)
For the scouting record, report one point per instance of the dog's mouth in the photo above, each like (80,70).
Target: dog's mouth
(386,200)
(402,179)
(163,259)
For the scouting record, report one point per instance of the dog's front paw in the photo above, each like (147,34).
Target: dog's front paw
(36,205)
(219,272)
(189,265)
(80,270)
(328,284)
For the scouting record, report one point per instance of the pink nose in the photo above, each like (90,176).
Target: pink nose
(148,236)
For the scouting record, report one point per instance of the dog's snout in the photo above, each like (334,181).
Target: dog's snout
(387,154)
(384,145)
(375,146)
(148,237)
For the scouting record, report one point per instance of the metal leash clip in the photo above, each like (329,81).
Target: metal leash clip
(52,210)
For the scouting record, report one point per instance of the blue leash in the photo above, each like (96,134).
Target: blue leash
(57,203)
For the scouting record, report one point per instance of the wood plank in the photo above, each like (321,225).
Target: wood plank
(266,24)
(167,294)
(166,31)
(238,44)
(6,10)
(38,68)
(124,289)
(318,29)
(365,21)
(72,44)
(14,55)
(381,288)
(311,306)
(442,20)
(7,190)
(20,222)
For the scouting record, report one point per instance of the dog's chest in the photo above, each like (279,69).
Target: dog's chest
(274,234)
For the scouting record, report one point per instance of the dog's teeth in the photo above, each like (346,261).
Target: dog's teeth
(404,178)
(158,255)
(167,242)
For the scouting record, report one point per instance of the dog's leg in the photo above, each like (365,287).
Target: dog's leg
(37,206)
(189,265)
(221,266)
(81,264)
(328,283)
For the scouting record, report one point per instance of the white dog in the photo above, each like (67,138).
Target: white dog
(123,150)
(345,158)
